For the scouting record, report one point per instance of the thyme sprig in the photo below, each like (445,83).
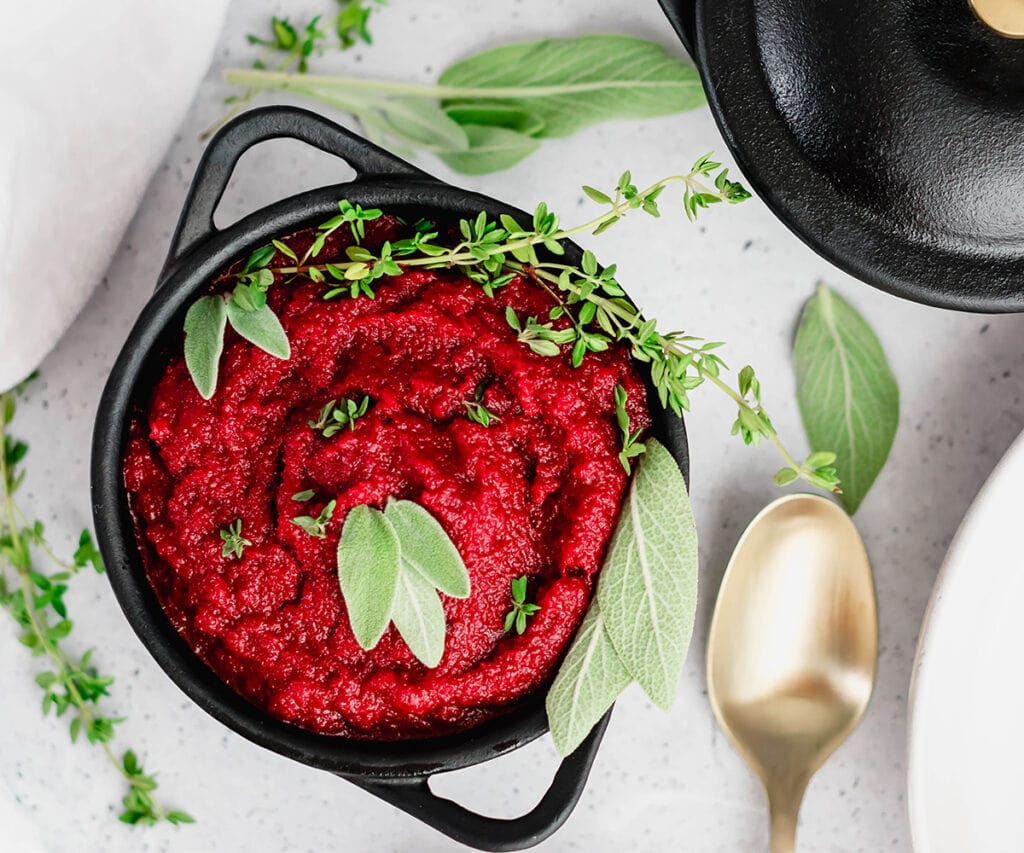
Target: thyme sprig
(477,412)
(336,415)
(591,310)
(34,598)
(631,444)
(521,608)
(315,527)
(234,543)
(350,25)
(292,46)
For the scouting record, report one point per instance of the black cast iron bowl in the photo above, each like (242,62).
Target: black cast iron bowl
(397,772)
(887,135)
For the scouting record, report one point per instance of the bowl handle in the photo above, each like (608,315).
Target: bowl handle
(249,129)
(413,795)
(682,15)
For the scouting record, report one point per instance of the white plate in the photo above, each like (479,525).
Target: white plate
(966,741)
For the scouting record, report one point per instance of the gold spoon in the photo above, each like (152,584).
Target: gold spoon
(793,647)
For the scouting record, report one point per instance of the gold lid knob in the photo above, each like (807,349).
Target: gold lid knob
(1006,17)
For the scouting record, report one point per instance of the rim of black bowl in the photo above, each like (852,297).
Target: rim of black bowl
(894,259)
(160,321)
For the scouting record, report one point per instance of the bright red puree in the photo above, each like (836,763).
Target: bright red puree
(536,493)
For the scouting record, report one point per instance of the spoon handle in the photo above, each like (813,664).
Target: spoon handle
(784,804)
(783,831)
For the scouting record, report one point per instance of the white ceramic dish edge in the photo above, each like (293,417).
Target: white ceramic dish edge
(964,739)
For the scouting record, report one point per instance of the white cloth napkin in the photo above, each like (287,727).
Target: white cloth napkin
(90,95)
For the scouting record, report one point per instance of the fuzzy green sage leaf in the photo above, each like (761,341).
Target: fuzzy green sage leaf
(569,84)
(487,111)
(419,616)
(426,123)
(391,565)
(639,624)
(204,342)
(426,548)
(495,114)
(368,564)
(648,586)
(589,680)
(260,327)
(848,396)
(491,149)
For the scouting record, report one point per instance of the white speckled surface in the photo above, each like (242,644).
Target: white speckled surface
(661,780)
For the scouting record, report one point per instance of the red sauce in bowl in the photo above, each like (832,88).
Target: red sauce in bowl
(536,493)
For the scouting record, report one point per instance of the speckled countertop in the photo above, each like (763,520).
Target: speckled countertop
(661,781)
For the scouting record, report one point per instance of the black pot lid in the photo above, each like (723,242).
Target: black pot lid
(889,135)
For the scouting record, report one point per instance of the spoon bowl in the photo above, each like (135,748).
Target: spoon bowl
(793,647)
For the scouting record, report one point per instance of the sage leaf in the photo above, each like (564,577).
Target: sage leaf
(648,585)
(204,342)
(368,564)
(260,327)
(494,114)
(491,149)
(419,616)
(848,397)
(426,548)
(424,122)
(540,89)
(589,680)
(569,84)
